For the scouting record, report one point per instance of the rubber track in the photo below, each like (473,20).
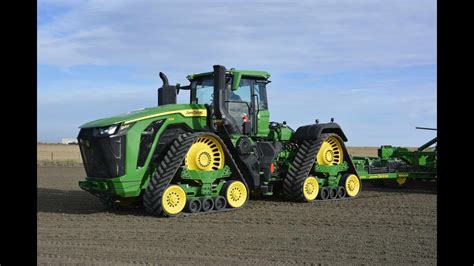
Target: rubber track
(168,167)
(301,166)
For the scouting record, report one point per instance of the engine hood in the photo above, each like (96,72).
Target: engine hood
(151,112)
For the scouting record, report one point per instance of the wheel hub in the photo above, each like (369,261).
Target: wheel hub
(309,188)
(235,194)
(328,156)
(172,199)
(351,185)
(203,159)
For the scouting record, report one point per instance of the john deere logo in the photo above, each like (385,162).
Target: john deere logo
(194,112)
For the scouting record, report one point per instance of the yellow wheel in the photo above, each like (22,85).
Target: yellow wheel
(206,154)
(236,194)
(401,180)
(352,185)
(310,188)
(331,152)
(173,200)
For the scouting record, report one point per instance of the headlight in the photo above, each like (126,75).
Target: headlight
(107,131)
(124,128)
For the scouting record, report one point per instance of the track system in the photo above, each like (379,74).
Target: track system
(167,169)
(295,185)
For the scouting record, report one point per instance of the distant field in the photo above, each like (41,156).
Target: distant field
(62,154)
(58,154)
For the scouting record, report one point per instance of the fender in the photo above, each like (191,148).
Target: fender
(315,130)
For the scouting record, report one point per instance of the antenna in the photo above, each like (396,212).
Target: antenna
(426,128)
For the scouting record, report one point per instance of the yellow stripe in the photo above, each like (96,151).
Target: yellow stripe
(185,113)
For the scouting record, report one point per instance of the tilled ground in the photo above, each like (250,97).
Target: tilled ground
(382,226)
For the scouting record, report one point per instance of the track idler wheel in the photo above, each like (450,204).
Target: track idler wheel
(323,193)
(193,205)
(207,204)
(236,193)
(219,203)
(341,192)
(332,193)
(173,200)
(310,188)
(351,184)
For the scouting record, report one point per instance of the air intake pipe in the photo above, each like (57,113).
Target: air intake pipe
(167,93)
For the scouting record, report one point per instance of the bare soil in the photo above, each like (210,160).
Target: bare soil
(382,226)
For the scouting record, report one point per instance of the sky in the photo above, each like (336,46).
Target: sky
(370,65)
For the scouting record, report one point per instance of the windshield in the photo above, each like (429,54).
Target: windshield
(204,89)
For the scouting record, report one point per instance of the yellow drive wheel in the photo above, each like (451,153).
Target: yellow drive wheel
(352,185)
(236,194)
(173,200)
(331,152)
(205,154)
(310,188)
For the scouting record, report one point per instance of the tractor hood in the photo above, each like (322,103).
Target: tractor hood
(151,112)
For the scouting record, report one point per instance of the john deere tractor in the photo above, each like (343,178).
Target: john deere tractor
(211,154)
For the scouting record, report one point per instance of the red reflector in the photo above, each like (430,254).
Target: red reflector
(272,168)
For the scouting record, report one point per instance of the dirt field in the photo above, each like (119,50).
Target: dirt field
(382,226)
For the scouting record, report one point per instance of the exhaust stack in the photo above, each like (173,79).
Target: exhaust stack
(167,93)
(220,100)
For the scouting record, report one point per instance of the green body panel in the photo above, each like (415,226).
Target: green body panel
(331,174)
(136,178)
(142,114)
(280,134)
(206,179)
(113,186)
(331,169)
(263,121)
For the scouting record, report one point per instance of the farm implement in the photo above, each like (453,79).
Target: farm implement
(210,155)
(395,165)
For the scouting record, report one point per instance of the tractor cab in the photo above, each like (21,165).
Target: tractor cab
(242,99)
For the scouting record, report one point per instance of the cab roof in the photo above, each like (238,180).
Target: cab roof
(252,73)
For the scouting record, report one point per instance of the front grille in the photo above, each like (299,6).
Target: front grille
(103,157)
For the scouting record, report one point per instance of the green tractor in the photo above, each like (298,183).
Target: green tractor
(213,153)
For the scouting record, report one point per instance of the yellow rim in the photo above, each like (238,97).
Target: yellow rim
(310,188)
(236,194)
(401,180)
(352,185)
(206,154)
(330,152)
(173,200)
